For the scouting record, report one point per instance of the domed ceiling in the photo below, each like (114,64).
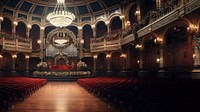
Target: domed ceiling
(38,9)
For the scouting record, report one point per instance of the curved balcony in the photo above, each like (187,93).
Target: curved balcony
(15,43)
(112,41)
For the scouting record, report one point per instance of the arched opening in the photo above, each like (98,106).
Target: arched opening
(150,54)
(6,62)
(6,26)
(87,34)
(101,63)
(132,17)
(134,58)
(178,49)
(20,63)
(74,30)
(21,29)
(101,29)
(116,24)
(35,36)
(116,62)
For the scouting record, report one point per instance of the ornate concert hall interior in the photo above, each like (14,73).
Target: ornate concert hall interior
(99,55)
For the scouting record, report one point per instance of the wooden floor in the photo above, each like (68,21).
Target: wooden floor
(62,97)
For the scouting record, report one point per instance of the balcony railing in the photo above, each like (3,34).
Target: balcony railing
(15,43)
(158,20)
(112,41)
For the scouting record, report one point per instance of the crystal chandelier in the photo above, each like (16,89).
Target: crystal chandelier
(60,17)
(61,38)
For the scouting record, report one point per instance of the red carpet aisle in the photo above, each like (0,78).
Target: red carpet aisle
(62,97)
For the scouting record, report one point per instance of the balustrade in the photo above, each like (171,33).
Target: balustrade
(15,43)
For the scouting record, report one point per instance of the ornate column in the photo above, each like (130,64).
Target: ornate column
(15,23)
(42,43)
(27,63)
(1,19)
(1,57)
(108,26)
(123,56)
(122,17)
(108,57)
(94,31)
(81,42)
(13,63)
(141,72)
(94,64)
(28,31)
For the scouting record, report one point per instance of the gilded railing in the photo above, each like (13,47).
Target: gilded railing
(169,17)
(15,43)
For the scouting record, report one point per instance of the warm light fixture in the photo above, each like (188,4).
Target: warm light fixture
(42,28)
(95,56)
(27,57)
(1,18)
(60,17)
(93,26)
(29,26)
(39,41)
(82,41)
(14,56)
(61,39)
(15,23)
(123,56)
(122,16)
(108,56)
(158,60)
(138,46)
(107,22)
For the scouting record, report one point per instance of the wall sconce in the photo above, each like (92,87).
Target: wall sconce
(192,28)
(82,41)
(14,56)
(1,56)
(107,22)
(158,60)
(27,57)
(138,46)
(93,26)
(29,26)
(194,56)
(158,40)
(122,16)
(108,56)
(1,18)
(80,27)
(123,56)
(42,28)
(95,56)
(15,23)
(39,41)
(138,61)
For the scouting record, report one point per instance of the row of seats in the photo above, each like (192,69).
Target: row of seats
(146,94)
(15,88)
